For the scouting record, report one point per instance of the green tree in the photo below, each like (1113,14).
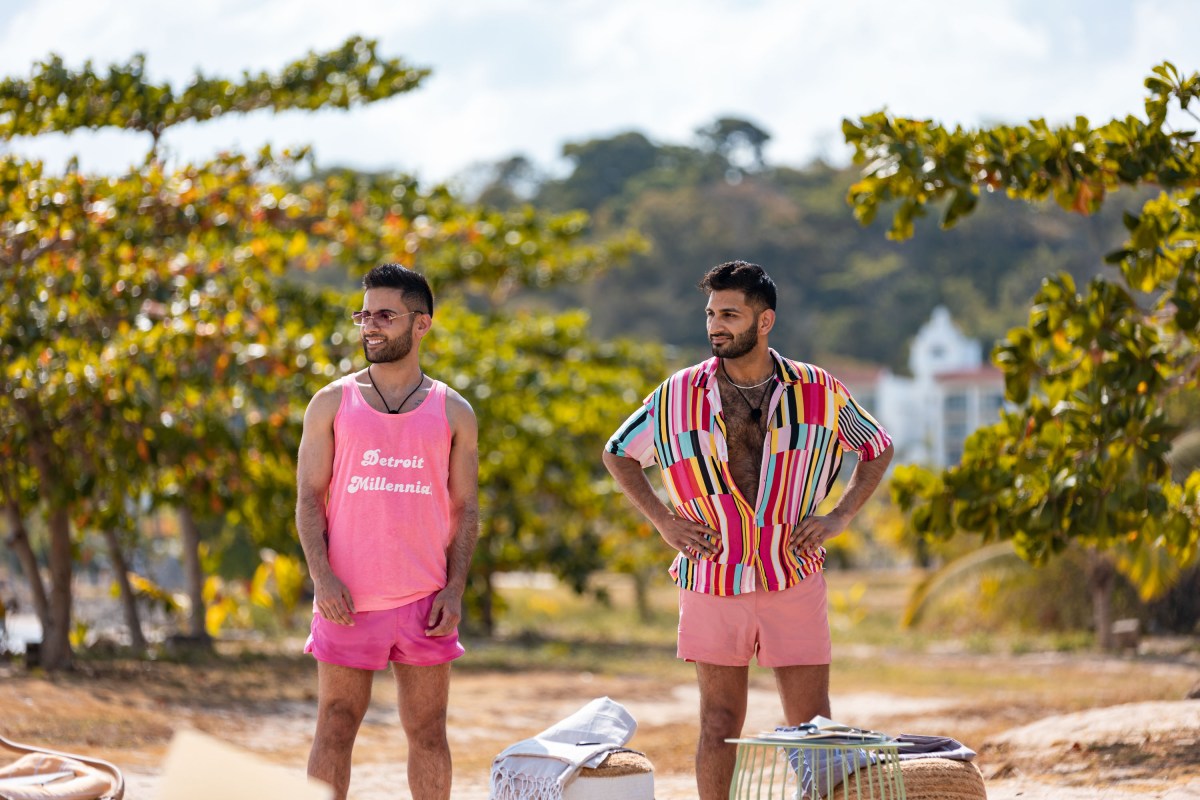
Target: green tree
(509,183)
(158,351)
(142,327)
(56,99)
(602,168)
(737,140)
(127,291)
(1083,456)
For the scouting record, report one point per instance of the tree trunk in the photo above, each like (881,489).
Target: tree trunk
(18,541)
(56,637)
(487,614)
(641,594)
(133,622)
(921,552)
(1102,577)
(55,650)
(193,576)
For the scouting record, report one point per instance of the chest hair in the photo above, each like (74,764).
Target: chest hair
(744,439)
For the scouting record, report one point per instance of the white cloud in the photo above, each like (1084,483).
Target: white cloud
(527,75)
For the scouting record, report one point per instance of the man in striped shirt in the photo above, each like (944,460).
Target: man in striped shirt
(748,444)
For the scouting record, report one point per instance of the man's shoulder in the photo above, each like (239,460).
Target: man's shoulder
(802,372)
(327,400)
(697,375)
(456,403)
(335,387)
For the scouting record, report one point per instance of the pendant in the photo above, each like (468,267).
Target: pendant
(755,413)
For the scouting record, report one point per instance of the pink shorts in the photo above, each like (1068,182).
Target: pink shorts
(784,629)
(377,637)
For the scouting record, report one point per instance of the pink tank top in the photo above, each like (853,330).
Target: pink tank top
(389,499)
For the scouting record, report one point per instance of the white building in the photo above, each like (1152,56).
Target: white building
(951,393)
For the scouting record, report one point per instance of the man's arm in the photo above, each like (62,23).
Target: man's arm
(314,471)
(690,538)
(814,531)
(446,611)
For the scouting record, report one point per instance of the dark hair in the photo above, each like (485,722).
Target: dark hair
(750,279)
(415,288)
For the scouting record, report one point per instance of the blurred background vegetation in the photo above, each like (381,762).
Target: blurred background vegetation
(848,293)
(165,328)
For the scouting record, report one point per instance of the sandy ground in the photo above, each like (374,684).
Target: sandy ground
(1057,726)
(1045,760)
(1140,750)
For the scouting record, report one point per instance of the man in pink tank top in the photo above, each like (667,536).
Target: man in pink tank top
(388,516)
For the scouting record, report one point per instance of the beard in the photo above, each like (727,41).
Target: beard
(393,350)
(740,345)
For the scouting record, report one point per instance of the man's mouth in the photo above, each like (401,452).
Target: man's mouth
(374,341)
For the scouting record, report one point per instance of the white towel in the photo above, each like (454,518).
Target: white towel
(541,767)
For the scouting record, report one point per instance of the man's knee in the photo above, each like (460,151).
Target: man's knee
(423,718)
(340,719)
(719,724)
(427,738)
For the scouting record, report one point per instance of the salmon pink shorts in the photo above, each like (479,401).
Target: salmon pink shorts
(377,637)
(788,628)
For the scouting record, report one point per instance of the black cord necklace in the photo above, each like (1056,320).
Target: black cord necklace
(383,400)
(755,408)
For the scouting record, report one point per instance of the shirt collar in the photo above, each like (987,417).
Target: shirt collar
(784,371)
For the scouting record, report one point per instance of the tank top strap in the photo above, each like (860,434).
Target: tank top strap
(436,400)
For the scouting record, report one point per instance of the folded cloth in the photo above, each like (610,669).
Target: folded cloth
(922,746)
(825,769)
(822,770)
(542,766)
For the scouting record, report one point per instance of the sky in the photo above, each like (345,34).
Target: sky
(528,76)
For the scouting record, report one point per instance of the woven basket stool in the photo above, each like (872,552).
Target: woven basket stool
(621,776)
(926,779)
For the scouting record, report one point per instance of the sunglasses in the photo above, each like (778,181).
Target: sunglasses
(382,318)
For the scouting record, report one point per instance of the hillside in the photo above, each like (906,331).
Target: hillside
(845,290)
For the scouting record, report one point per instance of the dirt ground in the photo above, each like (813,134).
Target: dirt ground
(1043,742)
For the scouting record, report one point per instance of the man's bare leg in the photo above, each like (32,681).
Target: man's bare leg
(804,692)
(343,694)
(722,713)
(423,694)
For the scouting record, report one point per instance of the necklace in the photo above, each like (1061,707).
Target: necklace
(739,386)
(383,400)
(755,408)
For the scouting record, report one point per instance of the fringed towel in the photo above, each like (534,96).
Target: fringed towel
(541,767)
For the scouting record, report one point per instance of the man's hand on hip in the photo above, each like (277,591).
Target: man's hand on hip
(693,540)
(812,532)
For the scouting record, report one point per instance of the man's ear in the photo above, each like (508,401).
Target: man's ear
(766,321)
(423,324)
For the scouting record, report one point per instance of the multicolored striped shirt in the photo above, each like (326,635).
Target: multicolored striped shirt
(812,420)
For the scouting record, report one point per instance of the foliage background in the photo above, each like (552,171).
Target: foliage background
(165,327)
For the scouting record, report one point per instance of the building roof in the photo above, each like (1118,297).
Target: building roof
(982,374)
(855,373)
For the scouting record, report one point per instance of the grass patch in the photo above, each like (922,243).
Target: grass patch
(547,626)
(552,611)
(530,651)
